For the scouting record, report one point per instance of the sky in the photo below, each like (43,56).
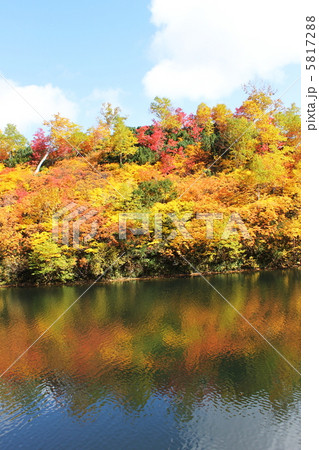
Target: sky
(72,56)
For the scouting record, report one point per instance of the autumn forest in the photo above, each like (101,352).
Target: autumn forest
(184,167)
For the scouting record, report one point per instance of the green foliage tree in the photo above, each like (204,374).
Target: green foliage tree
(11,141)
(145,155)
(21,156)
(153,191)
(289,122)
(49,262)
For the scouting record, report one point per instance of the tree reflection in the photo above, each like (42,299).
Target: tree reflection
(127,343)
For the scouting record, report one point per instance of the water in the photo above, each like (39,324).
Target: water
(162,364)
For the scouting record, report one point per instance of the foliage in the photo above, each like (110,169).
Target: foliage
(214,161)
(21,156)
(123,141)
(48,261)
(11,141)
(153,191)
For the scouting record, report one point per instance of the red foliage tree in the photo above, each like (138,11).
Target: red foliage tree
(154,139)
(40,145)
(41,148)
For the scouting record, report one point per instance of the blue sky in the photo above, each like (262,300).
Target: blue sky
(71,57)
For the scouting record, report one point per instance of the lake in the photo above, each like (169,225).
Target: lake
(158,364)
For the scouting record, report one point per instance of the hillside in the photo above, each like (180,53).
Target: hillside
(218,188)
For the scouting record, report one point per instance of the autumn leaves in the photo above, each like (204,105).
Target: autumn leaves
(244,164)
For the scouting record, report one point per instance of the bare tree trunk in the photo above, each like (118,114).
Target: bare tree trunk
(41,162)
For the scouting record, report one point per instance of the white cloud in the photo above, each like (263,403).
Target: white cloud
(27,106)
(105,96)
(207,49)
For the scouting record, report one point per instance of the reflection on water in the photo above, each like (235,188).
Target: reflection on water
(153,364)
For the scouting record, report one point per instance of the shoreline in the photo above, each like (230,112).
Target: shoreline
(150,278)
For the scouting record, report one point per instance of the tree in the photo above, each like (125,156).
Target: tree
(21,156)
(64,138)
(64,135)
(117,140)
(153,191)
(169,118)
(261,108)
(221,114)
(123,141)
(240,143)
(204,118)
(152,137)
(11,141)
(289,122)
(109,116)
(41,148)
